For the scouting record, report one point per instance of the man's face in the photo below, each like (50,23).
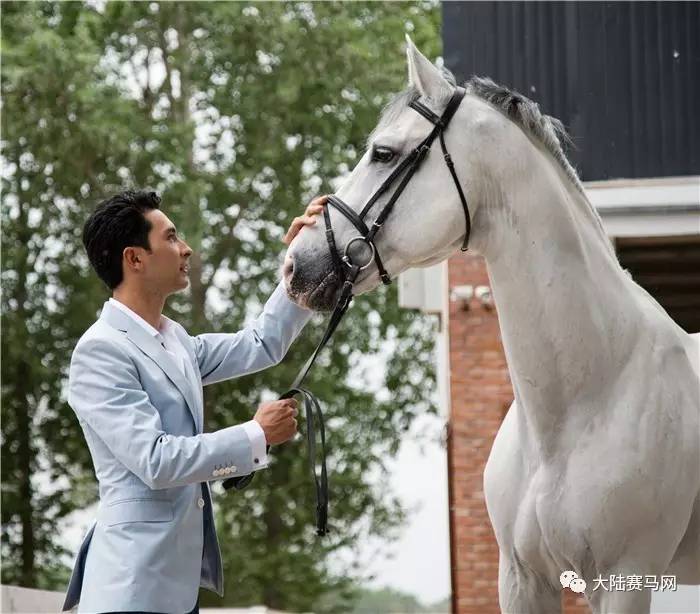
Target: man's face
(166,266)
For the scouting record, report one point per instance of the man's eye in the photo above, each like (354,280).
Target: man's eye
(382,154)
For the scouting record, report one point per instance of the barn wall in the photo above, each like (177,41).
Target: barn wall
(622,76)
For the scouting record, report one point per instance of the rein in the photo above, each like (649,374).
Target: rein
(349,272)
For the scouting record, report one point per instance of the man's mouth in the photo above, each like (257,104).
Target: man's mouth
(185,269)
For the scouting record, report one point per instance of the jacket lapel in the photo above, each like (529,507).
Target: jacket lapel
(150,346)
(191,369)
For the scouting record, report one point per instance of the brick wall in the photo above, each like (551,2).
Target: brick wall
(480,394)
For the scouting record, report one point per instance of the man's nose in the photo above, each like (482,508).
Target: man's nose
(187,251)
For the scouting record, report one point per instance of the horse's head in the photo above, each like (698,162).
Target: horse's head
(428,220)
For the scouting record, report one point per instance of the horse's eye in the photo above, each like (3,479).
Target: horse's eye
(382,154)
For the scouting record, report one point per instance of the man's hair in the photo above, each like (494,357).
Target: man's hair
(117,223)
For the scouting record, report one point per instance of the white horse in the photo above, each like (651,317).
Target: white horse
(596,467)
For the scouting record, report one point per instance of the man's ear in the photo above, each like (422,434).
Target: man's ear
(423,75)
(132,257)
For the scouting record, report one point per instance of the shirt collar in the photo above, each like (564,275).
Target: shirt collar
(136,317)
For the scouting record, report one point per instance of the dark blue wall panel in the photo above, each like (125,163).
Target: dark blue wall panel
(624,77)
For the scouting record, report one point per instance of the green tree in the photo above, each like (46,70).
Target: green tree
(386,601)
(238,113)
(61,140)
(390,601)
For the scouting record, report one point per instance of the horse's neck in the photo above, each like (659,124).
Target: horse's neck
(563,301)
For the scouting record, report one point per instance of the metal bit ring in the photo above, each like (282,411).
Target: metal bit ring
(346,256)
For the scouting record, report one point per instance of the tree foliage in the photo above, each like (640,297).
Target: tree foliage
(238,113)
(390,601)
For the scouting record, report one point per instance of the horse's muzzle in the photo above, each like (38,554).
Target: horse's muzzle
(312,283)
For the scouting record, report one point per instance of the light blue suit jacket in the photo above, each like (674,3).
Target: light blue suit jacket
(154,541)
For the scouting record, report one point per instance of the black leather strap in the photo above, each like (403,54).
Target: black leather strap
(462,198)
(337,315)
(389,181)
(241,481)
(352,217)
(417,157)
(427,113)
(360,225)
(330,239)
(452,105)
(312,411)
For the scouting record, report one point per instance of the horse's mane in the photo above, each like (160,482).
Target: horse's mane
(548,131)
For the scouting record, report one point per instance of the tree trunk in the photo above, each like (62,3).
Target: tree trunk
(25,458)
(22,386)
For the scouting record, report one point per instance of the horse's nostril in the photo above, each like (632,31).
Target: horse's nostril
(288,268)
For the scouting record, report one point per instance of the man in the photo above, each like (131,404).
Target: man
(135,384)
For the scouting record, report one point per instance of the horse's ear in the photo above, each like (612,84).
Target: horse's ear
(423,75)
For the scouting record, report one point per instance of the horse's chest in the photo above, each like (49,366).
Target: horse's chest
(542,531)
(540,510)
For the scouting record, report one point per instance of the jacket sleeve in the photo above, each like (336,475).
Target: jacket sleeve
(105,392)
(262,344)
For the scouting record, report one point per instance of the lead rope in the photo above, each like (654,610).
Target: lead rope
(312,411)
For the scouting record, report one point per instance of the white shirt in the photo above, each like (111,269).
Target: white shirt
(167,338)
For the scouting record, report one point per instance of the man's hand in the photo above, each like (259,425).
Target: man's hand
(277,419)
(308,219)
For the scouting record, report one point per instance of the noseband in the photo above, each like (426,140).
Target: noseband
(349,271)
(407,168)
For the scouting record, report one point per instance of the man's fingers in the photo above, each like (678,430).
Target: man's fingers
(316,205)
(308,219)
(289,408)
(297,224)
(294,231)
(313,211)
(319,201)
(289,412)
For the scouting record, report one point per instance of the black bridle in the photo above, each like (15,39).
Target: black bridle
(349,270)
(408,167)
